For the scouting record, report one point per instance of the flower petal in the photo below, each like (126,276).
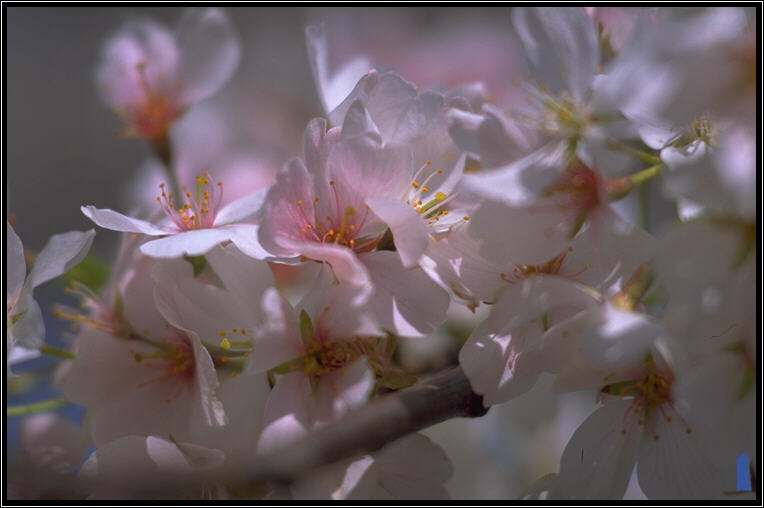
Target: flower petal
(209,52)
(241,209)
(409,230)
(405,301)
(675,466)
(16,268)
(188,243)
(61,253)
(115,221)
(561,45)
(598,460)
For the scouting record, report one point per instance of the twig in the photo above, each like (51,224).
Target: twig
(445,396)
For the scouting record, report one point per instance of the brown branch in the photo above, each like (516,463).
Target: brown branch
(445,396)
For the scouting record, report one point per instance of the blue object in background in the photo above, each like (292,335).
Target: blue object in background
(743,474)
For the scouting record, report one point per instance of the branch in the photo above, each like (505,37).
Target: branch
(445,396)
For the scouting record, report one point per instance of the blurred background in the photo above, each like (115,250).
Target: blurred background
(64,150)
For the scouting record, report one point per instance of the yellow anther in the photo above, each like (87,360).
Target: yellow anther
(225,344)
(415,185)
(466,217)
(315,199)
(428,162)
(425,189)
(440,171)
(299,202)
(440,196)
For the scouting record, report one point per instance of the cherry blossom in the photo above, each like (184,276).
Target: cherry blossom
(150,75)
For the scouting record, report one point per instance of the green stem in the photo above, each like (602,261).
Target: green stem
(36,407)
(646,174)
(57,352)
(645,157)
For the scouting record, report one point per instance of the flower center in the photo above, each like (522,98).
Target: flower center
(174,357)
(551,267)
(151,116)
(431,207)
(199,209)
(338,224)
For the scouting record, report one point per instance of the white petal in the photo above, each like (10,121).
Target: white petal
(280,341)
(331,89)
(210,52)
(245,278)
(287,416)
(561,46)
(348,479)
(241,209)
(413,467)
(16,267)
(408,227)
(405,301)
(188,243)
(61,253)
(115,221)
(245,237)
(207,385)
(598,459)
(675,466)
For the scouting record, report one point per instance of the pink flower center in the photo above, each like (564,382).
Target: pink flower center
(153,115)
(338,225)
(577,190)
(175,359)
(199,209)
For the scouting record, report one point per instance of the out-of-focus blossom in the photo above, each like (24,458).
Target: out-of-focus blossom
(198,225)
(52,449)
(663,76)
(709,272)
(412,467)
(150,75)
(25,327)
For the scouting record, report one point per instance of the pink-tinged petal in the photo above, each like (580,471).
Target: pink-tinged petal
(455,263)
(332,89)
(489,137)
(491,360)
(315,147)
(675,465)
(137,295)
(209,52)
(408,227)
(282,216)
(386,96)
(609,251)
(194,242)
(61,253)
(342,390)
(405,301)
(189,304)
(207,384)
(522,235)
(245,278)
(242,209)
(561,45)
(135,466)
(362,168)
(141,41)
(338,309)
(16,268)
(345,265)
(245,238)
(280,341)
(520,182)
(115,221)
(287,415)
(348,479)
(598,460)
(413,467)
(358,122)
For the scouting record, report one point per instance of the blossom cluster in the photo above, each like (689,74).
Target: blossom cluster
(245,312)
